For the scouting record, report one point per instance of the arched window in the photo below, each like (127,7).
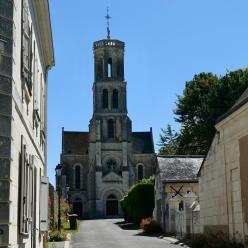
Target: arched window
(109,68)
(115,99)
(77,177)
(110,128)
(140,172)
(105,98)
(181,206)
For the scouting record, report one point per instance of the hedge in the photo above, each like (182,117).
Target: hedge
(138,203)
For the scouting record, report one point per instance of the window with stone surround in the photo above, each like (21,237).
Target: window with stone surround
(111,165)
(111,128)
(27,34)
(140,172)
(115,100)
(26,189)
(77,176)
(105,98)
(109,68)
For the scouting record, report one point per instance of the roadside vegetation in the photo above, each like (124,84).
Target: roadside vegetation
(56,235)
(138,206)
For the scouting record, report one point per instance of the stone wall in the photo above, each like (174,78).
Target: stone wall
(177,207)
(69,163)
(220,178)
(6,47)
(148,161)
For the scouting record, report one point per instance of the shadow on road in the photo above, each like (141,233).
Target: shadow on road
(126,225)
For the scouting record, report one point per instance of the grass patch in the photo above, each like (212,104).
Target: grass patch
(66,227)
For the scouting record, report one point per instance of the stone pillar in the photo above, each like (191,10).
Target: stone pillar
(124,154)
(189,198)
(118,129)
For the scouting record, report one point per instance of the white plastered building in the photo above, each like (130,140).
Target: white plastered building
(26,55)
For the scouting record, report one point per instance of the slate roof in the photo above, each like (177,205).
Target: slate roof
(239,103)
(75,142)
(179,168)
(142,142)
(78,142)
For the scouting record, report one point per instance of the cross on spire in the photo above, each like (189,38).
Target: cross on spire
(108,17)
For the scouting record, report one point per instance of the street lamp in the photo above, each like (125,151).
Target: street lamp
(58,170)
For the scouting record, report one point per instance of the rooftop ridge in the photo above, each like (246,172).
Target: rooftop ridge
(180,156)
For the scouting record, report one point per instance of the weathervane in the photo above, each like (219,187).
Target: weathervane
(108,17)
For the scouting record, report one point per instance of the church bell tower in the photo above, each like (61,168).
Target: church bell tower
(102,163)
(110,128)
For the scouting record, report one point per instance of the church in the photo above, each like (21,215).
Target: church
(100,165)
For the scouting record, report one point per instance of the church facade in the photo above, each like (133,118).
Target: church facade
(99,166)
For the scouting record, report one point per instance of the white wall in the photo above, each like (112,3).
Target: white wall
(22,123)
(220,191)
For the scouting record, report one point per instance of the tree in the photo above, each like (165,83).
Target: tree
(168,141)
(205,98)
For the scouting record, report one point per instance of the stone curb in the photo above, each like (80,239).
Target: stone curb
(67,244)
(60,244)
(174,241)
(171,240)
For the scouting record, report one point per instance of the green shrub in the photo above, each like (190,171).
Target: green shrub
(138,203)
(57,236)
(150,226)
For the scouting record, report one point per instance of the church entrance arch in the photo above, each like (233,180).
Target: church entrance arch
(78,207)
(112,206)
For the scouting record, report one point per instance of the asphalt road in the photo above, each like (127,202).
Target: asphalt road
(106,234)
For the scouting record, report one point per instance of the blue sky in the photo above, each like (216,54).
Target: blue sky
(167,43)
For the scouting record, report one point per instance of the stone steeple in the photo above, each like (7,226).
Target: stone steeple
(114,157)
(110,127)
(109,92)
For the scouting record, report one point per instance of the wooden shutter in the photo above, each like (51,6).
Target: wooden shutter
(26,47)
(21,165)
(24,189)
(44,183)
(30,189)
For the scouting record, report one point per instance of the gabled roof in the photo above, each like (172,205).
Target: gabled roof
(142,142)
(75,142)
(239,103)
(78,142)
(179,168)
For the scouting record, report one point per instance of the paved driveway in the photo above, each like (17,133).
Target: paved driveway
(105,234)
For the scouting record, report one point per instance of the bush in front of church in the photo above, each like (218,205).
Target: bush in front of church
(138,203)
